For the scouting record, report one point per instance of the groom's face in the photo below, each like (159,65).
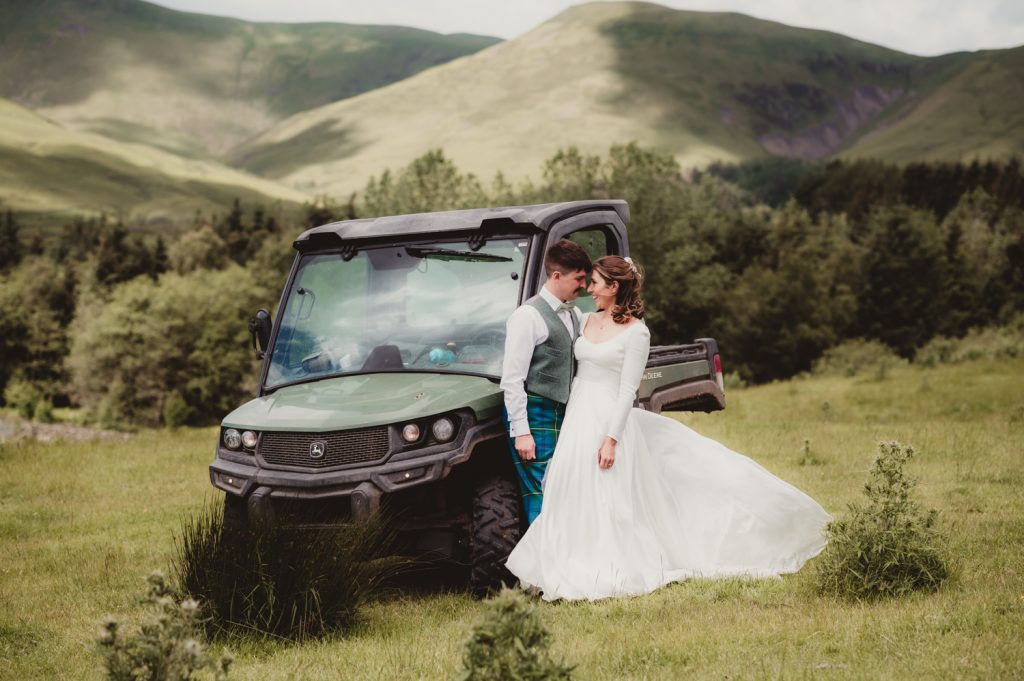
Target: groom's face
(566,286)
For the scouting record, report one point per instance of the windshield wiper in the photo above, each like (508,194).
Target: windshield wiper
(449,254)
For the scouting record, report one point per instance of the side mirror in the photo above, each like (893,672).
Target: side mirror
(259,328)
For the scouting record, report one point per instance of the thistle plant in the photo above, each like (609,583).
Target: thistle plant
(510,642)
(888,545)
(168,645)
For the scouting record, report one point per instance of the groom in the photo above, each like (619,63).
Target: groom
(539,366)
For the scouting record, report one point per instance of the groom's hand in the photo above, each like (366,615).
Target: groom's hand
(526,447)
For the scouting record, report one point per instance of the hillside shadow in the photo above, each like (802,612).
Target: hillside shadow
(319,143)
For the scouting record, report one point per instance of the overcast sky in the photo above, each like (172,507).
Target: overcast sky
(924,27)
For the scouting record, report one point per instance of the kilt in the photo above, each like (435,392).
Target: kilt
(545,418)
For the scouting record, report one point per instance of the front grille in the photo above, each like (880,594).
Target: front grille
(342,447)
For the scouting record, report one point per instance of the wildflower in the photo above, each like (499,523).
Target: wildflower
(192,648)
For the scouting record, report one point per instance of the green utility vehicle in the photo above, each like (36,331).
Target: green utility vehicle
(380,377)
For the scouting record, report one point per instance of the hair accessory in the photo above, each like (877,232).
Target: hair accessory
(632,265)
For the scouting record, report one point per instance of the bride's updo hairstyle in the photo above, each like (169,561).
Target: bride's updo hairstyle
(630,279)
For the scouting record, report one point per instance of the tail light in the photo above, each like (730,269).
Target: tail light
(718,373)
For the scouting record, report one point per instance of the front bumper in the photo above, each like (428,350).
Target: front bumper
(243,475)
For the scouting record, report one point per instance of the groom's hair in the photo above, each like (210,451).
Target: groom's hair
(566,256)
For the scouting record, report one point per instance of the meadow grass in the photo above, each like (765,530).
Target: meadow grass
(82,524)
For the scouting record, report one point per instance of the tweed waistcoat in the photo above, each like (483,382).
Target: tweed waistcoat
(552,366)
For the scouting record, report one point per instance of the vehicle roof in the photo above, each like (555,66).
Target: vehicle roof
(541,216)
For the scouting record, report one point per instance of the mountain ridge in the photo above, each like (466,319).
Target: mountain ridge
(127,68)
(702,86)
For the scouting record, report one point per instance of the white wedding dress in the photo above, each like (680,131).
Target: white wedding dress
(674,505)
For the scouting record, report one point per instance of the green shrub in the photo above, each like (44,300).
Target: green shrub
(42,410)
(182,333)
(510,642)
(202,248)
(290,582)
(430,182)
(113,408)
(733,380)
(168,645)
(997,342)
(36,304)
(175,411)
(858,356)
(887,546)
(22,396)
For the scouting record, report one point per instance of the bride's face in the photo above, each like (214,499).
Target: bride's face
(601,291)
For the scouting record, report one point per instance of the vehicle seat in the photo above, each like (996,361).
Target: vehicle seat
(383,357)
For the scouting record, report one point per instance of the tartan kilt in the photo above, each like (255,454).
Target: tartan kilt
(545,418)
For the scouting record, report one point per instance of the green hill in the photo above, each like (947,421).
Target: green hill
(195,84)
(46,169)
(321,107)
(969,109)
(702,86)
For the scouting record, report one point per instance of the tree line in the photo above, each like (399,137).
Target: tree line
(776,259)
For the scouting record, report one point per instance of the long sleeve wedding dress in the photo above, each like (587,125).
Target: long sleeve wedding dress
(674,505)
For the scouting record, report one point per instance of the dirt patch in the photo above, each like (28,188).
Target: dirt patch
(14,429)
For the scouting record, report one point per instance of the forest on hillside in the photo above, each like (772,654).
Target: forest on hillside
(779,260)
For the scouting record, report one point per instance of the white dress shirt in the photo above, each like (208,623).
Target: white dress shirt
(524,331)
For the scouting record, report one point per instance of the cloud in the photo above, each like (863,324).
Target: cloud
(1008,11)
(925,27)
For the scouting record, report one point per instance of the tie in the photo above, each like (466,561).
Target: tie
(565,306)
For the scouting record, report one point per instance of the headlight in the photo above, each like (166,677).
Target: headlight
(443,429)
(411,432)
(248,439)
(232,439)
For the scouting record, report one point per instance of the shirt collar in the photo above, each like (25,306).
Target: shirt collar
(550,298)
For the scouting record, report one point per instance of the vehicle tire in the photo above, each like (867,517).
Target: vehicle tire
(495,532)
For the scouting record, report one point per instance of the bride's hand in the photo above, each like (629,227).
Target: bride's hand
(606,454)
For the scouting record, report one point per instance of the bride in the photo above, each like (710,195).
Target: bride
(633,500)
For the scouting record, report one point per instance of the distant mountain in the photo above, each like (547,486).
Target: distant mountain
(702,86)
(961,107)
(139,109)
(47,169)
(195,84)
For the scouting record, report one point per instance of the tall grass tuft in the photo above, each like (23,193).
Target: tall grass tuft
(510,642)
(167,646)
(887,546)
(283,581)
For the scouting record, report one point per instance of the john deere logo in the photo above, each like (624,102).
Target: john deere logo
(317,449)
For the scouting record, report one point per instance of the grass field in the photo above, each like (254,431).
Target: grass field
(81,524)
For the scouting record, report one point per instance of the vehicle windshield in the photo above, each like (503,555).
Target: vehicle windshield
(438,307)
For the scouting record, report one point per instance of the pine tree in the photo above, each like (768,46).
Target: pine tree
(160,261)
(11,251)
